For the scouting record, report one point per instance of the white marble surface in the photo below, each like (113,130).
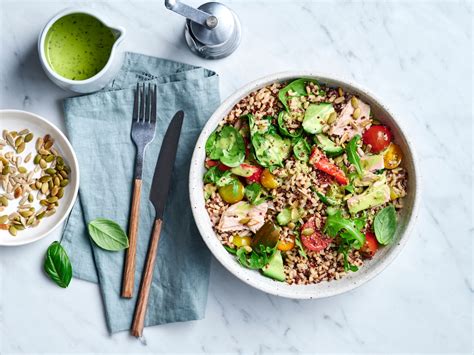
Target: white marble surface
(416,55)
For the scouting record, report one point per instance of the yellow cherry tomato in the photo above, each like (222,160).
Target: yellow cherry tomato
(269,180)
(393,195)
(239,241)
(231,193)
(285,245)
(392,156)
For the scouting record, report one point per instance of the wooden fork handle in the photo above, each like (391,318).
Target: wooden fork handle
(147,278)
(130,258)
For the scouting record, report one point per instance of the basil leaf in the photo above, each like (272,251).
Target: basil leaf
(107,234)
(57,265)
(352,156)
(385,225)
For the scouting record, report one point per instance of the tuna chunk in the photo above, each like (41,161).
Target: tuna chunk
(243,216)
(346,123)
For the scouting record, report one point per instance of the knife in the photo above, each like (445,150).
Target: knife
(158,196)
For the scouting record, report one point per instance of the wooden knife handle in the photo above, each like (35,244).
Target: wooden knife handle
(147,277)
(130,258)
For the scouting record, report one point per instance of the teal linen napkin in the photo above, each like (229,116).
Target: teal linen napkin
(99,127)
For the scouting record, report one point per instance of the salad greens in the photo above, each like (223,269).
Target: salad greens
(352,156)
(257,258)
(297,87)
(253,193)
(385,225)
(227,145)
(301,150)
(283,117)
(347,229)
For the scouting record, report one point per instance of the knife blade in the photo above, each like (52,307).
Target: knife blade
(164,165)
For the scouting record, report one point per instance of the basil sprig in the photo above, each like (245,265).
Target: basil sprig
(385,225)
(57,265)
(107,234)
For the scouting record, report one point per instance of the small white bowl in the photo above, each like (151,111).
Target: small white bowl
(324,289)
(15,120)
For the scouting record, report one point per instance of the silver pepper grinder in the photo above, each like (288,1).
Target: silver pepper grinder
(212,30)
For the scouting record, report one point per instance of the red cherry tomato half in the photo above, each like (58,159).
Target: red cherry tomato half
(315,241)
(379,137)
(370,247)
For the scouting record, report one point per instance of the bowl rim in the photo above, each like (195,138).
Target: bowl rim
(194,173)
(74,163)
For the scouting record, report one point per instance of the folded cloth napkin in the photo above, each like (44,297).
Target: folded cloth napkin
(99,127)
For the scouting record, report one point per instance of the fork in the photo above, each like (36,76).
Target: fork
(143,132)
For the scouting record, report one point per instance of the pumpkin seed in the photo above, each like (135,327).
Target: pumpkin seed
(60,193)
(4,201)
(45,178)
(50,171)
(49,158)
(340,92)
(44,188)
(22,170)
(40,215)
(339,100)
(63,174)
(12,230)
(64,183)
(29,137)
(332,117)
(54,191)
(39,143)
(43,164)
(26,213)
(244,220)
(354,102)
(56,180)
(6,170)
(307,231)
(52,199)
(18,141)
(43,151)
(356,113)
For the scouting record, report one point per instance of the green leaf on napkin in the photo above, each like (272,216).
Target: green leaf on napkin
(107,234)
(57,265)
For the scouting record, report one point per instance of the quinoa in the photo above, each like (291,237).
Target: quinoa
(299,182)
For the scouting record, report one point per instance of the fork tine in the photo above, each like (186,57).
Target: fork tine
(142,103)
(153,105)
(135,103)
(148,104)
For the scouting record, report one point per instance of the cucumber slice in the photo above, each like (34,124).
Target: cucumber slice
(328,146)
(315,116)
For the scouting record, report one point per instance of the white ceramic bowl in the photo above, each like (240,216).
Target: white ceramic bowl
(17,120)
(324,289)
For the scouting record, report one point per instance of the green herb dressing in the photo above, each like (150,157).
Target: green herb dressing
(78,46)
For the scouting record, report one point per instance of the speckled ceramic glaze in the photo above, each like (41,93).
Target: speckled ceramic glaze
(324,289)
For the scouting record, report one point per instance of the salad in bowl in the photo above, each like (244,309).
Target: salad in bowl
(304,183)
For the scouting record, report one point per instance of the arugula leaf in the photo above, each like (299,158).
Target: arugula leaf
(344,249)
(212,175)
(225,179)
(300,246)
(230,250)
(255,260)
(352,156)
(347,229)
(385,225)
(253,193)
(324,199)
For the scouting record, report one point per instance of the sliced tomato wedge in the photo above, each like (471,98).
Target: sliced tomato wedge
(321,162)
(370,247)
(316,241)
(255,177)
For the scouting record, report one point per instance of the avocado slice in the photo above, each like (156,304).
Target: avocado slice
(274,269)
(315,116)
(328,146)
(374,195)
(372,162)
